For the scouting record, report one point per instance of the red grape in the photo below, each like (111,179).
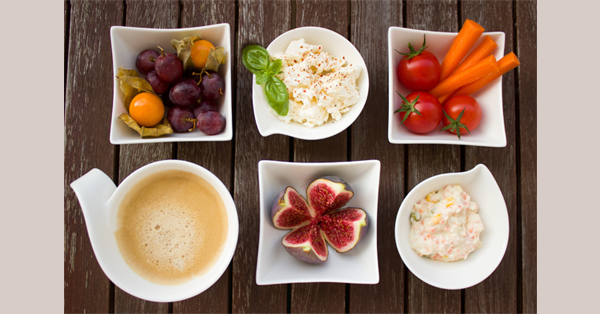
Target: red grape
(158,86)
(168,67)
(205,105)
(211,122)
(212,85)
(145,61)
(181,119)
(185,93)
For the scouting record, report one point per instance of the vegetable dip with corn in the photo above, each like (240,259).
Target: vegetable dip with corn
(445,225)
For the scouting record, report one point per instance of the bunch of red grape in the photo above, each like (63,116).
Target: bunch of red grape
(189,96)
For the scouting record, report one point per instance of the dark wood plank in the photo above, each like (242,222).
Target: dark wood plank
(425,161)
(526,24)
(155,14)
(88,105)
(498,293)
(214,156)
(321,297)
(259,23)
(369,141)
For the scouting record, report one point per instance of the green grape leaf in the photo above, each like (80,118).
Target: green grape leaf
(277,95)
(256,59)
(184,50)
(158,130)
(216,57)
(131,84)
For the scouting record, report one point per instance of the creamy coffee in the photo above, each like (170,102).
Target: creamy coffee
(172,226)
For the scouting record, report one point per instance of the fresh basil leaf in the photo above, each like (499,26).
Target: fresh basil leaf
(275,67)
(277,96)
(256,59)
(262,78)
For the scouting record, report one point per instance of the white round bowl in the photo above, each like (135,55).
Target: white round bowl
(480,184)
(337,46)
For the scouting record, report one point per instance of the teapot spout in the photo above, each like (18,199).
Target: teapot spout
(93,190)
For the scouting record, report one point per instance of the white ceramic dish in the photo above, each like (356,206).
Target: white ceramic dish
(127,42)
(100,200)
(358,266)
(491,130)
(480,184)
(337,46)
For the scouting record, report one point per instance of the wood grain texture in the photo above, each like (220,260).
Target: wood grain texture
(498,293)
(87,114)
(259,23)
(425,161)
(214,156)
(155,14)
(369,141)
(526,24)
(332,15)
(321,297)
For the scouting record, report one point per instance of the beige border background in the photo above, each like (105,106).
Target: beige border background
(33,161)
(568,156)
(31,210)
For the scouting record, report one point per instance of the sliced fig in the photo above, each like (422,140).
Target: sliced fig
(306,244)
(319,220)
(290,210)
(328,194)
(343,229)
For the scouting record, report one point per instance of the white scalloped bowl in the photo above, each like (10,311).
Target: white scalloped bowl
(480,184)
(127,42)
(490,131)
(337,46)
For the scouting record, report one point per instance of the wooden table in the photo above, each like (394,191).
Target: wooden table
(88,105)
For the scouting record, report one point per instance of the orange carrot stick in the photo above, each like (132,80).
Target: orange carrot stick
(475,72)
(507,63)
(461,45)
(484,49)
(444,98)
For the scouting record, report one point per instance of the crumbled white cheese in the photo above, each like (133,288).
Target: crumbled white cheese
(319,85)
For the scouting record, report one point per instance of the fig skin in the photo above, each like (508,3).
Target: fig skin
(308,257)
(361,233)
(341,193)
(277,203)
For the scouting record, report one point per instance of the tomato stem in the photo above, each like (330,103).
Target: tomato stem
(455,124)
(412,52)
(408,107)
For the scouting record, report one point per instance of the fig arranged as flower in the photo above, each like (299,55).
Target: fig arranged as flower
(319,220)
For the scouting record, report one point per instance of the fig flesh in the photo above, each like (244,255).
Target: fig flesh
(319,221)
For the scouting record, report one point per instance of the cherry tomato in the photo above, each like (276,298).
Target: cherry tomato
(462,114)
(420,112)
(418,70)
(200,50)
(146,109)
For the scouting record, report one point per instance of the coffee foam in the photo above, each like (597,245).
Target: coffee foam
(172,227)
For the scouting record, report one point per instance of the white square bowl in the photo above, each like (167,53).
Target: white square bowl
(128,42)
(491,130)
(480,184)
(359,265)
(335,45)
